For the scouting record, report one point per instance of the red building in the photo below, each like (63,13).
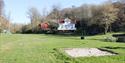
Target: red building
(44,26)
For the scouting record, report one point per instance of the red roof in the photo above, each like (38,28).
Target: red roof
(61,21)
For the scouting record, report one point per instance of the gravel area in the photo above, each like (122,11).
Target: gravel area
(86,52)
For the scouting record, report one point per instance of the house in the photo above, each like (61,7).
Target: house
(44,26)
(66,24)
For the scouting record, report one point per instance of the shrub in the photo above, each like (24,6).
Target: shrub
(110,39)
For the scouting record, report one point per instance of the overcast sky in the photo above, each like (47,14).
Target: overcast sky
(18,9)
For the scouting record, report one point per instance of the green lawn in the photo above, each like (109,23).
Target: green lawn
(39,48)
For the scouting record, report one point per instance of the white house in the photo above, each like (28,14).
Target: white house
(67,25)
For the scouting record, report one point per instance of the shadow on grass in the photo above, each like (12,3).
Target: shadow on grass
(108,51)
(102,40)
(108,47)
(63,35)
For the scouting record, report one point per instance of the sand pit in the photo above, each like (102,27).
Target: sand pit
(86,52)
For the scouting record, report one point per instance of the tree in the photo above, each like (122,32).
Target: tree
(55,13)
(1,7)
(121,1)
(106,15)
(35,18)
(1,11)
(3,24)
(3,20)
(109,16)
(119,25)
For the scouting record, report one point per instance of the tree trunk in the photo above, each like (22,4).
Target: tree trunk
(110,28)
(106,28)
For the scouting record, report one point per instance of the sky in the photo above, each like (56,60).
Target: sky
(18,9)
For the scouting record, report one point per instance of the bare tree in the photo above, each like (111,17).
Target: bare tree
(35,18)
(55,13)
(3,21)
(1,7)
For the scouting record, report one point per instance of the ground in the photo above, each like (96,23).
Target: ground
(40,48)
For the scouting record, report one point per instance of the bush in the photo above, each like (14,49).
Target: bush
(110,39)
(26,29)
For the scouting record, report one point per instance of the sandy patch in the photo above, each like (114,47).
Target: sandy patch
(86,52)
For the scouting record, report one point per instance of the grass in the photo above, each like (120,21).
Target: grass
(40,48)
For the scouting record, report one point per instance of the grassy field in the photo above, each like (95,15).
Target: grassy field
(39,48)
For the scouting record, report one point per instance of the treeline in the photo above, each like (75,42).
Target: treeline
(5,25)
(94,19)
